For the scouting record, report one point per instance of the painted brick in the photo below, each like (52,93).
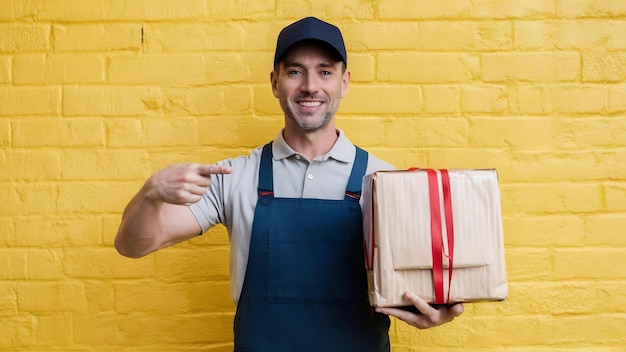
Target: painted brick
(167,10)
(57,232)
(407,38)
(326,9)
(582,8)
(365,100)
(104,329)
(442,99)
(99,295)
(35,264)
(484,99)
(22,37)
(465,36)
(552,198)
(437,131)
(76,132)
(8,299)
(423,9)
(5,69)
(532,264)
(226,68)
(193,37)
(96,37)
(173,298)
(30,165)
(244,131)
(615,196)
(7,227)
(198,328)
(56,330)
(202,101)
(93,197)
(544,231)
(46,69)
(38,198)
(104,165)
(617,98)
(266,104)
(157,69)
(538,100)
(605,230)
(5,133)
(362,68)
(134,133)
(604,67)
(563,166)
(469,158)
(514,9)
(110,225)
(589,263)
(427,68)
(21,101)
(18,330)
(241,10)
(112,101)
(590,35)
(44,264)
(173,266)
(86,10)
(533,67)
(603,132)
(363,138)
(620,168)
(46,297)
(515,132)
(105,263)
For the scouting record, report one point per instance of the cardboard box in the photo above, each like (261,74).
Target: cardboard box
(411,244)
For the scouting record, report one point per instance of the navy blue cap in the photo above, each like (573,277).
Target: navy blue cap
(310,28)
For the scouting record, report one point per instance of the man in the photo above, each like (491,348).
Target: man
(292,213)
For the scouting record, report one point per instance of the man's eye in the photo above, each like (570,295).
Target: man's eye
(294,72)
(326,73)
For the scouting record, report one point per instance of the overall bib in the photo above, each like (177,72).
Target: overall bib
(305,287)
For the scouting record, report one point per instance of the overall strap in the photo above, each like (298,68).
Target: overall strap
(266,175)
(353,190)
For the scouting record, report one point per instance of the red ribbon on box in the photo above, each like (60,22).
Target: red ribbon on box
(435,231)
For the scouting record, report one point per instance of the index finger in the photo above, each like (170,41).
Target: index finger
(206,169)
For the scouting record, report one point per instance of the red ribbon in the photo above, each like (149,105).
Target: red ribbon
(435,231)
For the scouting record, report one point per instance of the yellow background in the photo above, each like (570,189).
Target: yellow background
(96,95)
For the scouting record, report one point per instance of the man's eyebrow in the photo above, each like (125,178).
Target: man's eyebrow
(324,64)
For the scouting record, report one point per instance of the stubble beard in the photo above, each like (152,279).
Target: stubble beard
(303,121)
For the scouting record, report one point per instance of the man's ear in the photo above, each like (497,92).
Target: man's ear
(345,82)
(274,82)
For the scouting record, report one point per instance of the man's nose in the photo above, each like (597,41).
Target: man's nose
(310,83)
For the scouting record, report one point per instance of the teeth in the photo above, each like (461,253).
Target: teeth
(310,103)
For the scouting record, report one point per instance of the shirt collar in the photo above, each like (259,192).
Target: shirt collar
(343,150)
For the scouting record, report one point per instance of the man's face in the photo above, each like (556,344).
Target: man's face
(309,83)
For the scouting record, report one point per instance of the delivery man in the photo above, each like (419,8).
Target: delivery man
(292,212)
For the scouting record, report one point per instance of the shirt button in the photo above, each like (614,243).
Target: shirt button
(309,176)
(298,156)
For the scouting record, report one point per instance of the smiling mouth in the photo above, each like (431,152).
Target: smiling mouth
(310,104)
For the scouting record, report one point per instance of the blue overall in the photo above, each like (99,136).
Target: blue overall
(305,287)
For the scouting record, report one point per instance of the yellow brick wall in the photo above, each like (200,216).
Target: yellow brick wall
(97,95)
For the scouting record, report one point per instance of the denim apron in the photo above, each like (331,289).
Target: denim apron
(305,287)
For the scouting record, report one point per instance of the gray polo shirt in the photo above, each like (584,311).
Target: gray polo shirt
(231,198)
